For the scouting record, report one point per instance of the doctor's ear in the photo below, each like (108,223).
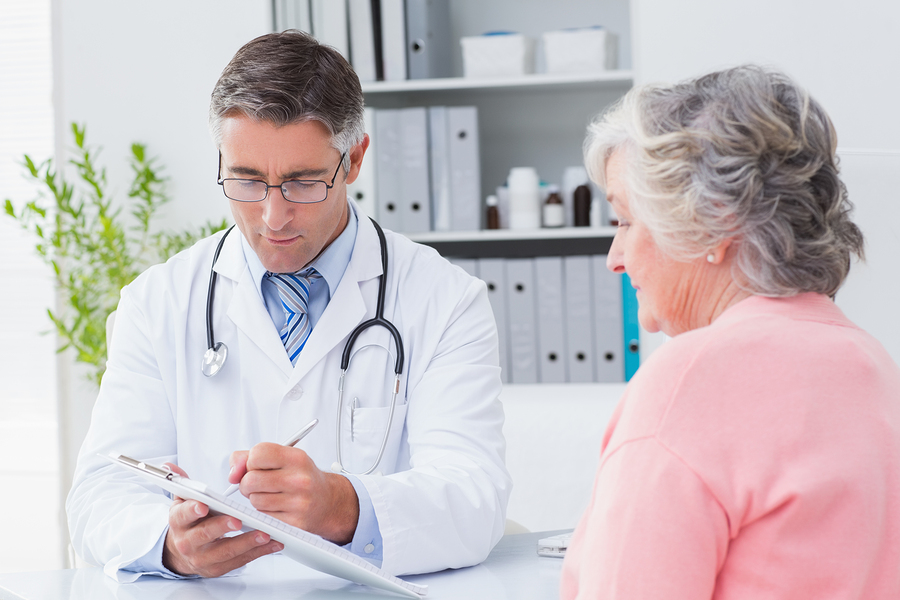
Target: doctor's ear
(356,154)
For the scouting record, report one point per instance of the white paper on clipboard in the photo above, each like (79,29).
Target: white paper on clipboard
(302,546)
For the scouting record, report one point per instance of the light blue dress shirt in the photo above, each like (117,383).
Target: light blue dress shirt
(331,265)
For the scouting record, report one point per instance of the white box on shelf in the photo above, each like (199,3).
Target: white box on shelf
(583,50)
(497,55)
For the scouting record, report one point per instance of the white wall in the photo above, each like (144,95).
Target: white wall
(143,71)
(847,54)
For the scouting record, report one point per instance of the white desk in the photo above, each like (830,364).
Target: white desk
(513,571)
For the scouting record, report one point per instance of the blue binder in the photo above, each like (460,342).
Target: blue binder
(631,328)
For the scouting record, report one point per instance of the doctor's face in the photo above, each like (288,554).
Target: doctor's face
(287,236)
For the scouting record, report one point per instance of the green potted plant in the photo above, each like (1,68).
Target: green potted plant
(93,248)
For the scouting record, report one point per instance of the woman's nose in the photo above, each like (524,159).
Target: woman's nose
(615,259)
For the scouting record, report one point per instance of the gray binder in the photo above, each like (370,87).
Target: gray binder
(608,359)
(428,43)
(579,318)
(329,21)
(393,39)
(292,14)
(551,319)
(520,286)
(465,168)
(415,205)
(362,39)
(388,157)
(493,272)
(439,153)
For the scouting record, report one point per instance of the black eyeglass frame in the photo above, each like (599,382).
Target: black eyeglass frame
(328,186)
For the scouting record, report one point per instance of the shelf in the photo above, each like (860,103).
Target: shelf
(538,80)
(509,243)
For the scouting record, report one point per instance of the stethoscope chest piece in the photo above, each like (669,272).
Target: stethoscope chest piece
(213,359)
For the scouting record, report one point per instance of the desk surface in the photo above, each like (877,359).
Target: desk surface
(512,571)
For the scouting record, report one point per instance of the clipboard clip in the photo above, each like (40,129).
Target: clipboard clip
(142,466)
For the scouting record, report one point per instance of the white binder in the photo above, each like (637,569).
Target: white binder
(493,272)
(329,20)
(520,286)
(415,205)
(608,359)
(465,168)
(393,39)
(439,153)
(550,319)
(362,40)
(302,546)
(579,318)
(292,14)
(363,190)
(388,157)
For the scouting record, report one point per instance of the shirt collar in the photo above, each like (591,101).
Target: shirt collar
(331,264)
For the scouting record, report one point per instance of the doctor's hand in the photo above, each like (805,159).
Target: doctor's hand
(195,544)
(284,482)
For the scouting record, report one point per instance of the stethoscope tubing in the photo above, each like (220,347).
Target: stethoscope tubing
(217,352)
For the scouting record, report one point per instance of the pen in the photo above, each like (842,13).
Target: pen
(291,441)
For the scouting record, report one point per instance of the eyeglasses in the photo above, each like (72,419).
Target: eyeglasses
(299,191)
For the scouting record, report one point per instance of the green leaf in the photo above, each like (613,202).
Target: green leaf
(31,167)
(8,205)
(79,134)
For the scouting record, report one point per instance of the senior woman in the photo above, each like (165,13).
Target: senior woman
(757,453)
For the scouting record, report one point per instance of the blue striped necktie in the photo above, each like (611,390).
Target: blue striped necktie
(293,289)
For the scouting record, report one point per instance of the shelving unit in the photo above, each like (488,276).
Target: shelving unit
(509,243)
(536,120)
(583,81)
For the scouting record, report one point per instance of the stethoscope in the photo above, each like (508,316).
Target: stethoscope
(217,352)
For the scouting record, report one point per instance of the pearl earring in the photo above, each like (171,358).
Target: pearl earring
(711,258)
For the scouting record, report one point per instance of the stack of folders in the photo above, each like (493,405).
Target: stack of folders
(561,319)
(421,171)
(385,40)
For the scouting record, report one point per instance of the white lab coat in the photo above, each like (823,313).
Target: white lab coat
(441,500)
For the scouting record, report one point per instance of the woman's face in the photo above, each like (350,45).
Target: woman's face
(670,293)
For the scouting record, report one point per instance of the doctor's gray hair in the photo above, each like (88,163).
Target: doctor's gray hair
(286,78)
(742,154)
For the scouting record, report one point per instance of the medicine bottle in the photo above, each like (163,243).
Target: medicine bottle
(582,206)
(492,220)
(524,198)
(554,211)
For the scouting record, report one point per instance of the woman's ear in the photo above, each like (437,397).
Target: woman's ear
(717,254)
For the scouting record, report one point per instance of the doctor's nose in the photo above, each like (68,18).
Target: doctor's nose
(277,212)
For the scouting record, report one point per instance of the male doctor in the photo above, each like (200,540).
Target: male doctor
(299,273)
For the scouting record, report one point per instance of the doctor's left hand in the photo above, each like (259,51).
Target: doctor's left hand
(284,482)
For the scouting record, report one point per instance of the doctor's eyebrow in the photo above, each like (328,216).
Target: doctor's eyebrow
(299,174)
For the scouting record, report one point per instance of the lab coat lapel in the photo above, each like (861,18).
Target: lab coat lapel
(246,309)
(347,308)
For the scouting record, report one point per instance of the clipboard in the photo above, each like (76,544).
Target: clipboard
(302,546)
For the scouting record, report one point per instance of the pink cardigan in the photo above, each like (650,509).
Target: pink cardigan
(757,458)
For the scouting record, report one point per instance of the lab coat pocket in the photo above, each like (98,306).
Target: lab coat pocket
(366,433)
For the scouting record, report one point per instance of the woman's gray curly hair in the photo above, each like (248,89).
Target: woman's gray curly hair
(742,154)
